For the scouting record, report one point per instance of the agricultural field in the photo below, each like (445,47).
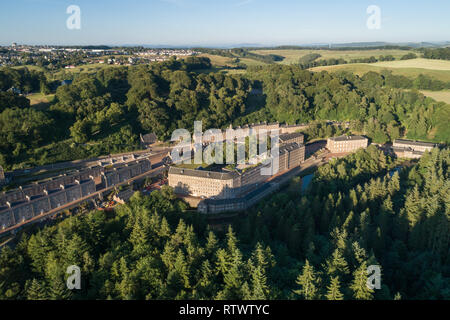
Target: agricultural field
(437,69)
(292,55)
(443,95)
(416,63)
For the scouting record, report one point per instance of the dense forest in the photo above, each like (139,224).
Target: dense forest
(105,112)
(358,211)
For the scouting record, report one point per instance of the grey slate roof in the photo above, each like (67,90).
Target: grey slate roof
(149,138)
(288,136)
(415,143)
(289,147)
(203,173)
(346,138)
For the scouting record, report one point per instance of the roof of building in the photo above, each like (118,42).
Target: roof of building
(125,195)
(290,147)
(414,143)
(149,138)
(226,175)
(348,138)
(288,136)
(203,173)
(285,125)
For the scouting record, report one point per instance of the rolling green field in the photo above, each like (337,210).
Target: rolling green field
(437,69)
(293,55)
(421,63)
(218,61)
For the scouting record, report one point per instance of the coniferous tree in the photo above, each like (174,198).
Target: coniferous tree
(359,286)
(334,290)
(309,283)
(35,290)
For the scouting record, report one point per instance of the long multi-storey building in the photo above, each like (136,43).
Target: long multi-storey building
(25,203)
(344,144)
(257,128)
(232,185)
(32,206)
(410,148)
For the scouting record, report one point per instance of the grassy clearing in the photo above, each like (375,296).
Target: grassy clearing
(443,96)
(38,98)
(292,56)
(218,61)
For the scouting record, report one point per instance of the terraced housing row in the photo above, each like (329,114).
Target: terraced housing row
(24,203)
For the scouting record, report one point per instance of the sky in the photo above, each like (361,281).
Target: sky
(221,23)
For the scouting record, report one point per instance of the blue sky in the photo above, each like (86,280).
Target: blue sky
(226,22)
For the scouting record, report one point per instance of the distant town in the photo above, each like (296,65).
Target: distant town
(70,57)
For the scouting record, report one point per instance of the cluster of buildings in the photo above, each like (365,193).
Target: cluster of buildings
(25,54)
(22,204)
(411,149)
(168,52)
(237,188)
(402,148)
